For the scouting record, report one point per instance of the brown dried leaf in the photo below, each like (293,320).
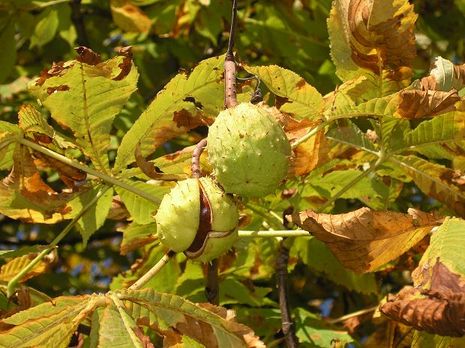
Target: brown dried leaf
(441,313)
(87,56)
(364,240)
(376,35)
(418,104)
(445,76)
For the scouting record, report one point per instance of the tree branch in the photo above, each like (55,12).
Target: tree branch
(212,289)
(78,21)
(288,327)
(230,98)
(195,167)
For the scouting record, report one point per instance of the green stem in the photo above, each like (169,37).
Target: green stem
(11,287)
(153,271)
(310,134)
(109,179)
(273,233)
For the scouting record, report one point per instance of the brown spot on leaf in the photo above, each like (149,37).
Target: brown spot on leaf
(192,100)
(300,84)
(184,118)
(126,64)
(61,88)
(87,56)
(55,70)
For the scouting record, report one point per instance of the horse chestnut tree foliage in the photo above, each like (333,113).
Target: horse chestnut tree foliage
(291,175)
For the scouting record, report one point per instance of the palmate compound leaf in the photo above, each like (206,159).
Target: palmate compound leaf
(437,303)
(364,240)
(435,180)
(187,101)
(117,319)
(373,36)
(85,95)
(299,99)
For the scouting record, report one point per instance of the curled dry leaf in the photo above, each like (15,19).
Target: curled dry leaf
(364,240)
(418,104)
(374,35)
(441,313)
(445,76)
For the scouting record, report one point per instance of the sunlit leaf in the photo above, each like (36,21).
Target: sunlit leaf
(14,266)
(45,28)
(301,100)
(187,101)
(85,95)
(364,240)
(435,180)
(141,209)
(96,215)
(129,17)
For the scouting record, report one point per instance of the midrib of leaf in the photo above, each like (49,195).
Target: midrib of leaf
(126,321)
(426,175)
(86,120)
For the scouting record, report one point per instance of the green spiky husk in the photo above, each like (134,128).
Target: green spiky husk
(248,150)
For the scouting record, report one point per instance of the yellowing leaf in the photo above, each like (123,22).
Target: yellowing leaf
(301,100)
(129,17)
(372,35)
(14,266)
(8,133)
(85,95)
(364,240)
(436,181)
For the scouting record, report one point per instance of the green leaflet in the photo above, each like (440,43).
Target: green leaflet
(351,135)
(183,104)
(444,128)
(86,98)
(46,325)
(141,209)
(95,217)
(446,244)
(312,331)
(370,190)
(45,28)
(316,255)
(303,101)
(378,107)
(135,236)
